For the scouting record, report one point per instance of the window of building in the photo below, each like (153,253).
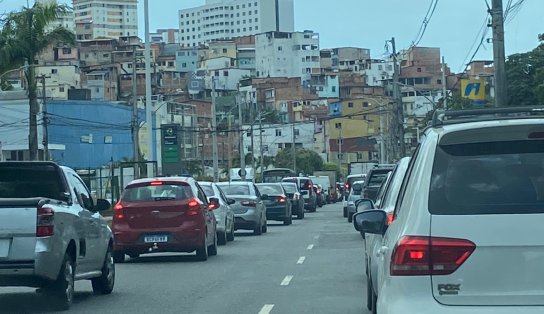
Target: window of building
(244,21)
(225,73)
(224,50)
(255,11)
(249,5)
(419,69)
(243,13)
(237,14)
(279,48)
(338,125)
(244,29)
(184,65)
(66,51)
(243,6)
(61,89)
(278,132)
(350,105)
(255,4)
(333,89)
(250,28)
(297,132)
(359,156)
(256,28)
(438,81)
(365,104)
(54,71)
(248,12)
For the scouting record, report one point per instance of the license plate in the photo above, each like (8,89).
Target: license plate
(154,239)
(4,247)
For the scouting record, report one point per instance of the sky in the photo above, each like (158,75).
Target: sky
(455,26)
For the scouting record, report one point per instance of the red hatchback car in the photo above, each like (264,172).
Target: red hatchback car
(169,214)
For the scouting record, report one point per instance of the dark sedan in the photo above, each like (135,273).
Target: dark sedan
(297,202)
(278,205)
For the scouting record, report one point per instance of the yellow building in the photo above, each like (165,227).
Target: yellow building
(222,49)
(358,126)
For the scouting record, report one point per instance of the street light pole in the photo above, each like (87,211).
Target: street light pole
(148,106)
(135,124)
(241,132)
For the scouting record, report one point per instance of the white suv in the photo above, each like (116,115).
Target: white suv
(466,235)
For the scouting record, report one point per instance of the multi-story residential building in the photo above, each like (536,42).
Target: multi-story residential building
(59,78)
(349,58)
(275,137)
(105,18)
(287,54)
(245,53)
(226,19)
(188,58)
(97,52)
(102,84)
(377,72)
(422,68)
(225,78)
(326,85)
(165,36)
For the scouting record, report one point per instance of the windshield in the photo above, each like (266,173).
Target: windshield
(208,190)
(290,188)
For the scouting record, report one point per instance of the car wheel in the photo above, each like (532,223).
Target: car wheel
(230,235)
(202,252)
(350,217)
(104,284)
(222,237)
(212,249)
(118,257)
(258,228)
(345,212)
(265,227)
(62,290)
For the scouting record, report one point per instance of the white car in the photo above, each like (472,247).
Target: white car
(466,235)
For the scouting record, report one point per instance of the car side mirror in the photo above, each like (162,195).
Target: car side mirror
(370,221)
(102,205)
(264,197)
(213,203)
(230,201)
(364,204)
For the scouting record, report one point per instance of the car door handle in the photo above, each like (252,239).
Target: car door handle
(381,251)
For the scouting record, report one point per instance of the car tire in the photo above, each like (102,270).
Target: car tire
(300,214)
(265,227)
(222,237)
(118,257)
(212,249)
(258,230)
(288,219)
(202,252)
(62,290)
(230,235)
(345,212)
(374,302)
(104,284)
(350,217)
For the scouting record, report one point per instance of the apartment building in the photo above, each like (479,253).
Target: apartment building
(166,36)
(226,19)
(287,54)
(105,18)
(65,20)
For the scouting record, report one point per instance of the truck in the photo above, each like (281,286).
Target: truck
(332,182)
(52,232)
(361,167)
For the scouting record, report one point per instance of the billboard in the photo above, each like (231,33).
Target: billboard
(473,89)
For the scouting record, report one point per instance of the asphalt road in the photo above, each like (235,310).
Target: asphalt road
(313,266)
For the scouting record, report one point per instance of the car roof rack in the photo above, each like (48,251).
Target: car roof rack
(445,117)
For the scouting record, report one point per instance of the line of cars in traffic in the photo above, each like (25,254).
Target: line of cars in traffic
(456,227)
(180,214)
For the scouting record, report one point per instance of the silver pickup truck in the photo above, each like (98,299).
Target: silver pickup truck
(51,232)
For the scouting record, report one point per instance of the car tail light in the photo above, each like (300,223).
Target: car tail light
(44,222)
(249,203)
(118,212)
(281,199)
(417,256)
(155,183)
(194,207)
(318,191)
(347,186)
(390,218)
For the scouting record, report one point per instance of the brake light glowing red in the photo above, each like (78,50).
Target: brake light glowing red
(155,183)
(281,199)
(418,256)
(390,218)
(118,212)
(194,207)
(44,222)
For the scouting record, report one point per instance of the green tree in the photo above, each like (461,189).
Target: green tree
(308,161)
(331,166)
(24,35)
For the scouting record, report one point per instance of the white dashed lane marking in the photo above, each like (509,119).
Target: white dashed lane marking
(286,280)
(266,309)
(301,259)
(311,246)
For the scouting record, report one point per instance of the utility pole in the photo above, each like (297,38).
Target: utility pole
(382,139)
(229,143)
(241,132)
(214,136)
(261,138)
(45,135)
(294,147)
(135,126)
(399,110)
(340,142)
(444,86)
(148,92)
(497,24)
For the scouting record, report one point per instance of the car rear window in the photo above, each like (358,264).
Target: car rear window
(208,190)
(235,189)
(270,189)
(377,177)
(488,178)
(357,178)
(290,188)
(26,181)
(167,191)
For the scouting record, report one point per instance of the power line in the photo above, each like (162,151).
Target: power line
(425,23)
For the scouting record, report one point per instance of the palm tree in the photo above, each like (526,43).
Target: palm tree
(23,37)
